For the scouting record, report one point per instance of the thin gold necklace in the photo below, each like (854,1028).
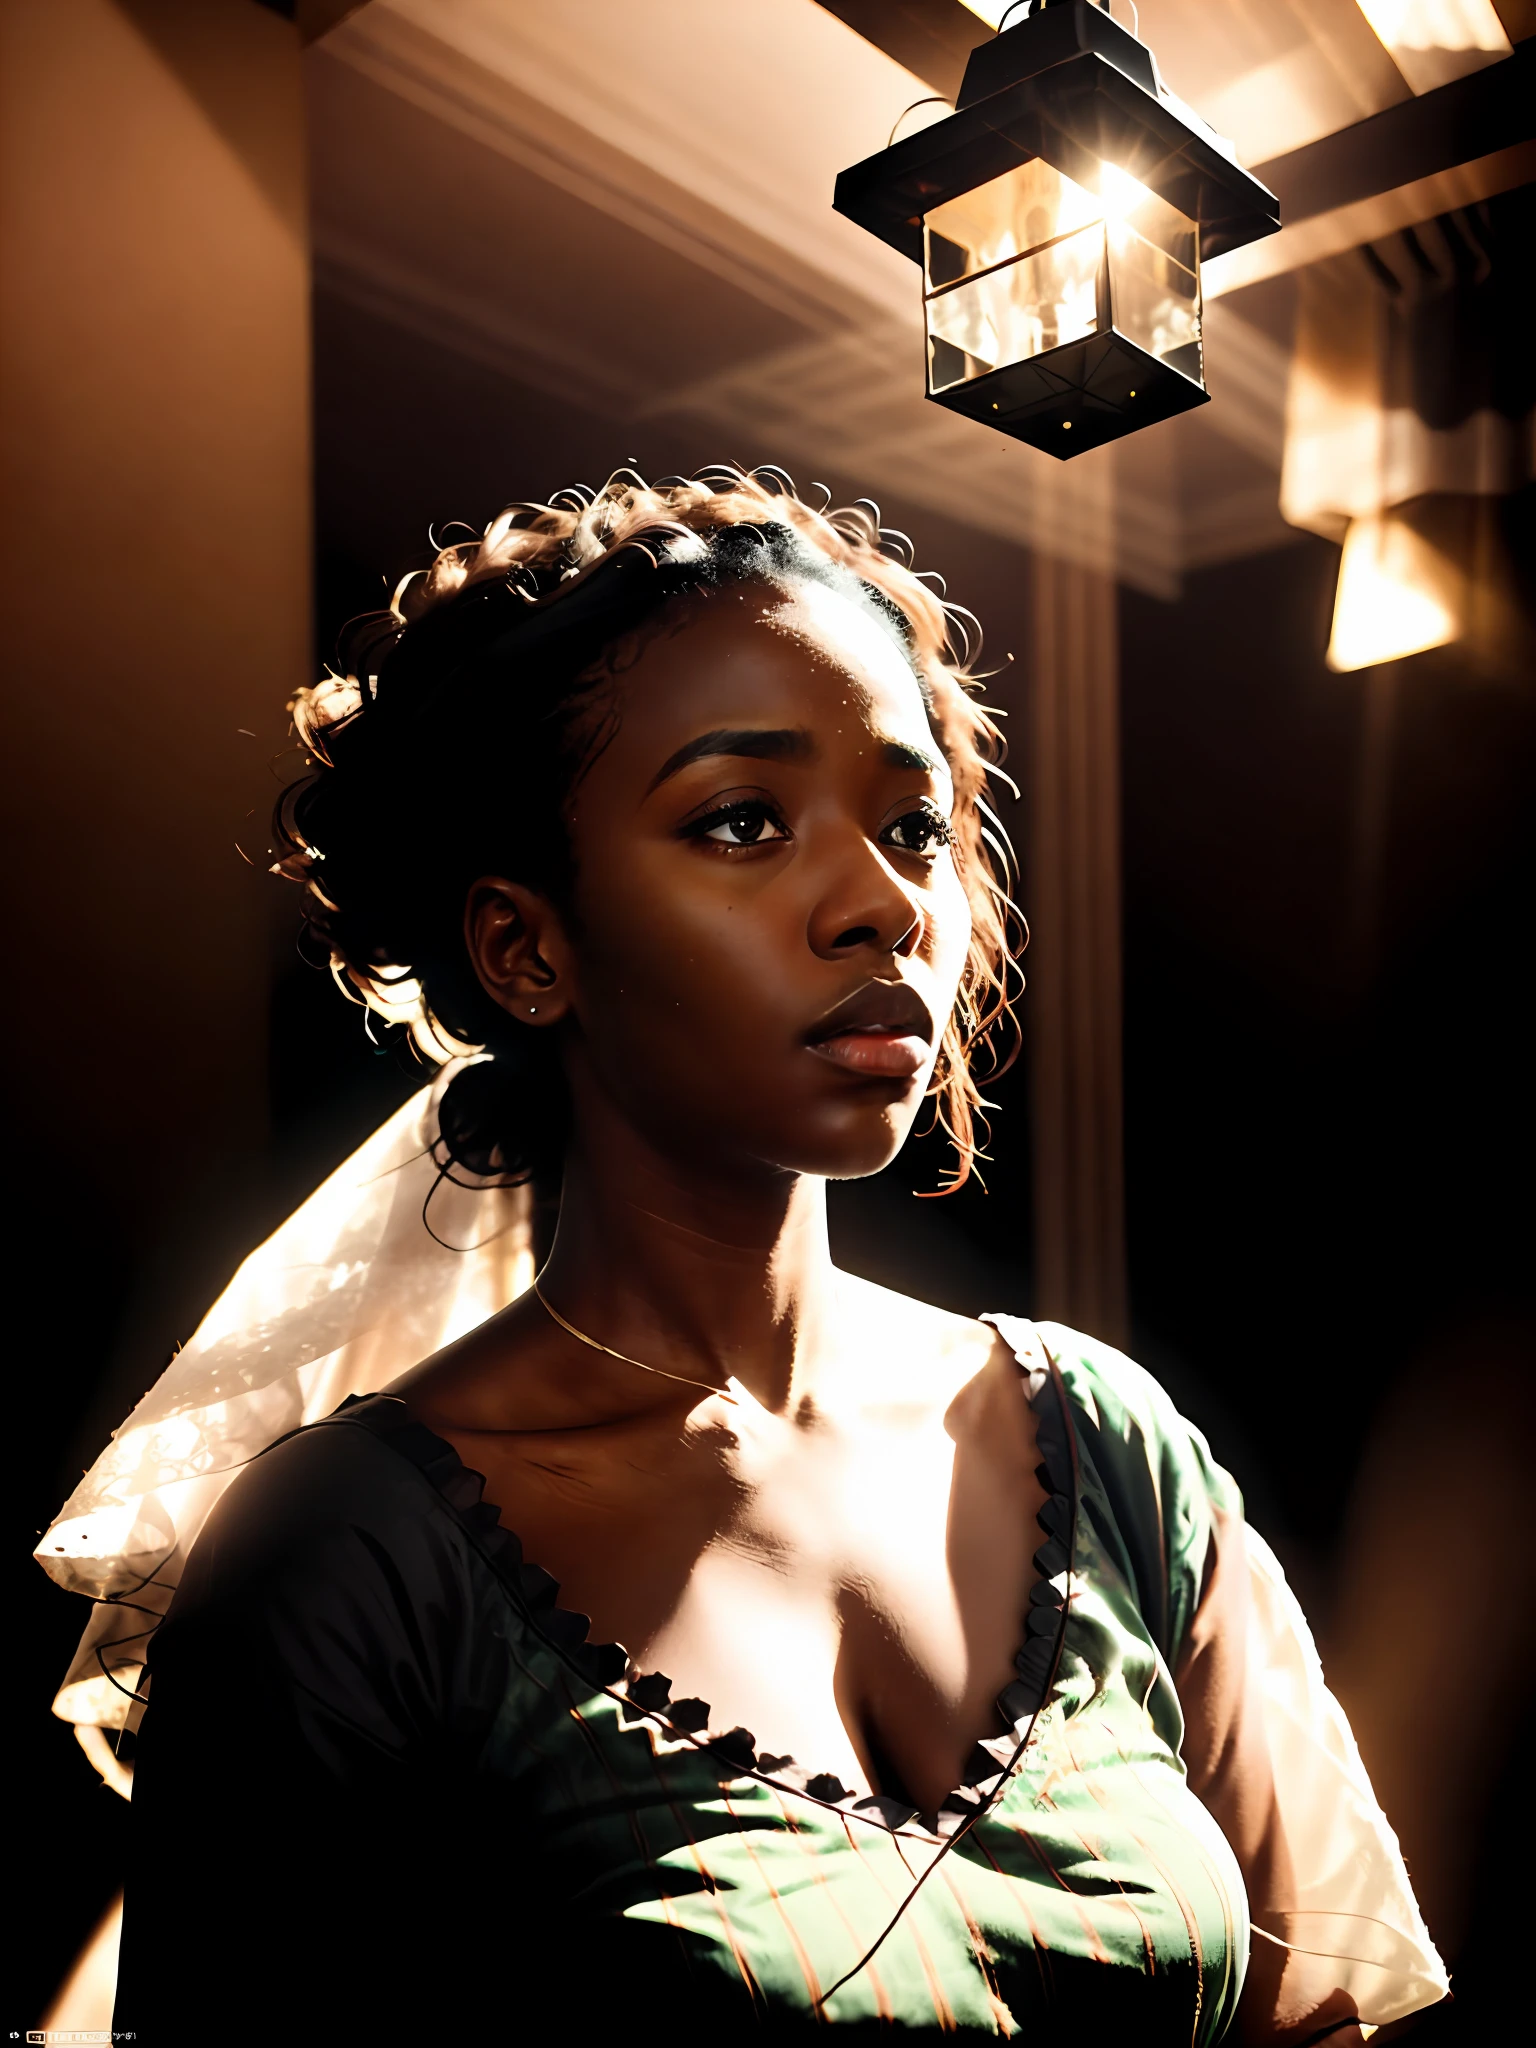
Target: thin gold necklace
(623,1357)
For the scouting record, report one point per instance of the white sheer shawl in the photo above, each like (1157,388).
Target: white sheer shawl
(350,1292)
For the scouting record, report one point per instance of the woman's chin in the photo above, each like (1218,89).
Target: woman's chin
(858,1146)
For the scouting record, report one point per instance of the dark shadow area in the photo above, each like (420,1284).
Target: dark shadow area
(1327,1096)
(968,1251)
(1328,881)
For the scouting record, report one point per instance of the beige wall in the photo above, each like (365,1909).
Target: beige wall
(154,435)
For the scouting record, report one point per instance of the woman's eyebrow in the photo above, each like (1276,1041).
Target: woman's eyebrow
(791,743)
(901,754)
(787,743)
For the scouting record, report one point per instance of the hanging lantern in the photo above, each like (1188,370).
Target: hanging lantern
(1060,216)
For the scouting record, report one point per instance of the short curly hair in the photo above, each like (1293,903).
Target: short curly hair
(461,719)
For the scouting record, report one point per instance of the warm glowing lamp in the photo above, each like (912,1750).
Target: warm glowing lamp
(1396,595)
(1060,215)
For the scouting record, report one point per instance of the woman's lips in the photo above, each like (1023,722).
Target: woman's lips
(898,1054)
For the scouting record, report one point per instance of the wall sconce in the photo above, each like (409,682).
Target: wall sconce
(1396,595)
(1060,216)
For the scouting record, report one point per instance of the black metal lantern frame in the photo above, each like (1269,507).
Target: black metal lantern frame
(1060,216)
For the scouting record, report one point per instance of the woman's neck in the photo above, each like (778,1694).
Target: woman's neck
(710,1273)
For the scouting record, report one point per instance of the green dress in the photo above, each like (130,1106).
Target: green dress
(440,1752)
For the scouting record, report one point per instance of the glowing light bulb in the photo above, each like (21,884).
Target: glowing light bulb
(1121,193)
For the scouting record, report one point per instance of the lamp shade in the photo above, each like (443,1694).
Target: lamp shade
(1060,216)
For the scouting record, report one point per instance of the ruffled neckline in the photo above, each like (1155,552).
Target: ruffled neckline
(607,1667)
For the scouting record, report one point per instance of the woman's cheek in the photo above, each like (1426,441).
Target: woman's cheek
(658,957)
(950,924)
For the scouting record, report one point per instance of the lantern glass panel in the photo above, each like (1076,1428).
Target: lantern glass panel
(1128,203)
(1033,261)
(1008,216)
(1018,310)
(1155,301)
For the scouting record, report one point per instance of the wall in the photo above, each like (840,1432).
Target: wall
(1328,1119)
(154,439)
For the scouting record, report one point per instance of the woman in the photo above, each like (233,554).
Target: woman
(954,1695)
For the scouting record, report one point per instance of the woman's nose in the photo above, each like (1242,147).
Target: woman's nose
(870,905)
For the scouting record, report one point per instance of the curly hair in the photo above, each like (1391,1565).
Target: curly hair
(463,717)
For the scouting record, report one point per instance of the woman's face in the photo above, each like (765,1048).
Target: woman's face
(768,930)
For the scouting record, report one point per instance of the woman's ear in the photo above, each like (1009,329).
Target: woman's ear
(518,948)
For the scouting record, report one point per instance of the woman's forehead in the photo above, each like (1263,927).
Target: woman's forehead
(801,654)
(837,629)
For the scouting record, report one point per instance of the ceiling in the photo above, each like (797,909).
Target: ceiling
(625,213)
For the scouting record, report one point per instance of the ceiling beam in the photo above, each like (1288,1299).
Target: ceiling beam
(314,18)
(930,38)
(1322,235)
(1471,117)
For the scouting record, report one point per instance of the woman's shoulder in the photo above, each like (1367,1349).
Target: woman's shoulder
(903,1340)
(1157,1490)
(341,1499)
(1131,1419)
(334,1602)
(1119,1397)
(906,1350)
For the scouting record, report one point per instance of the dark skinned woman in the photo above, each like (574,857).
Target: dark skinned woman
(954,1695)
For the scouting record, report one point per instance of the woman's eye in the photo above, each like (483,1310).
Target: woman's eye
(922,831)
(741,825)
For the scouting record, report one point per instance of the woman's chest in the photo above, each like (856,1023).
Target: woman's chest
(1094,1895)
(856,1604)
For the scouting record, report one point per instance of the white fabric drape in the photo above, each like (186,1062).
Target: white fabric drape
(1352,1922)
(349,1293)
